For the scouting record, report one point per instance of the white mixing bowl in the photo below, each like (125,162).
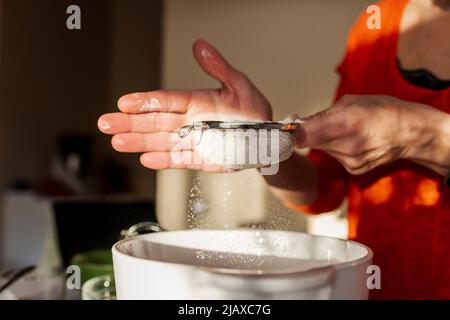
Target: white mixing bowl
(240,264)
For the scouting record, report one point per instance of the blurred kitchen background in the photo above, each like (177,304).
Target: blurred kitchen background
(64,190)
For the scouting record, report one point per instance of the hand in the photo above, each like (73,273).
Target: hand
(147,121)
(364,132)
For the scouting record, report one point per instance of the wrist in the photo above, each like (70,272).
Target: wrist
(445,146)
(430,137)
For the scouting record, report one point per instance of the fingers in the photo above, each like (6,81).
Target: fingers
(165,150)
(155,101)
(113,123)
(178,160)
(150,142)
(357,165)
(212,62)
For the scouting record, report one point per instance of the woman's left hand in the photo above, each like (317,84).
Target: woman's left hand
(364,132)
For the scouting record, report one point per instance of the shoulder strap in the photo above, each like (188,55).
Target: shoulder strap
(367,47)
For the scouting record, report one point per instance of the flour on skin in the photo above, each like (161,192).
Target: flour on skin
(151,105)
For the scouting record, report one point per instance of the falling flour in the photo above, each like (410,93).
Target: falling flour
(198,209)
(236,149)
(197,205)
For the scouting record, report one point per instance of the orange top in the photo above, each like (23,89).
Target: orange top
(400,210)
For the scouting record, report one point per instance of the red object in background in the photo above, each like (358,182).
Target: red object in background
(401,210)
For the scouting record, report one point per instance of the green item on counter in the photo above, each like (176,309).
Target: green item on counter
(94,263)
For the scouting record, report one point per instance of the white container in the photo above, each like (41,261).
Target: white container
(240,264)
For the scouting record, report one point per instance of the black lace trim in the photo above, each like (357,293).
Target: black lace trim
(423,78)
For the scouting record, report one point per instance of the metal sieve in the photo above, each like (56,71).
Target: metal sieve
(241,144)
(207,125)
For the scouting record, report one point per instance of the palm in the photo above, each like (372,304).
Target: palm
(220,104)
(148,120)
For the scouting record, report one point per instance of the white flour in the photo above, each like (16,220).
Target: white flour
(236,149)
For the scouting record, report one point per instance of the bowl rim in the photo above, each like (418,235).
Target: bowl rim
(367,258)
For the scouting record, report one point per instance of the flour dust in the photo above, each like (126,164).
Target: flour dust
(200,208)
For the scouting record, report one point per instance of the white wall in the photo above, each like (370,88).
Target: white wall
(289,48)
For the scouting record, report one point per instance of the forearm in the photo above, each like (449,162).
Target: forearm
(296,181)
(431,145)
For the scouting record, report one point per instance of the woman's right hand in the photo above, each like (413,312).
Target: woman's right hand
(148,121)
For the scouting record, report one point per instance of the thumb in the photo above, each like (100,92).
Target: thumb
(212,62)
(316,130)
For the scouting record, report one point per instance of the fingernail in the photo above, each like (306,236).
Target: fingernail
(103,124)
